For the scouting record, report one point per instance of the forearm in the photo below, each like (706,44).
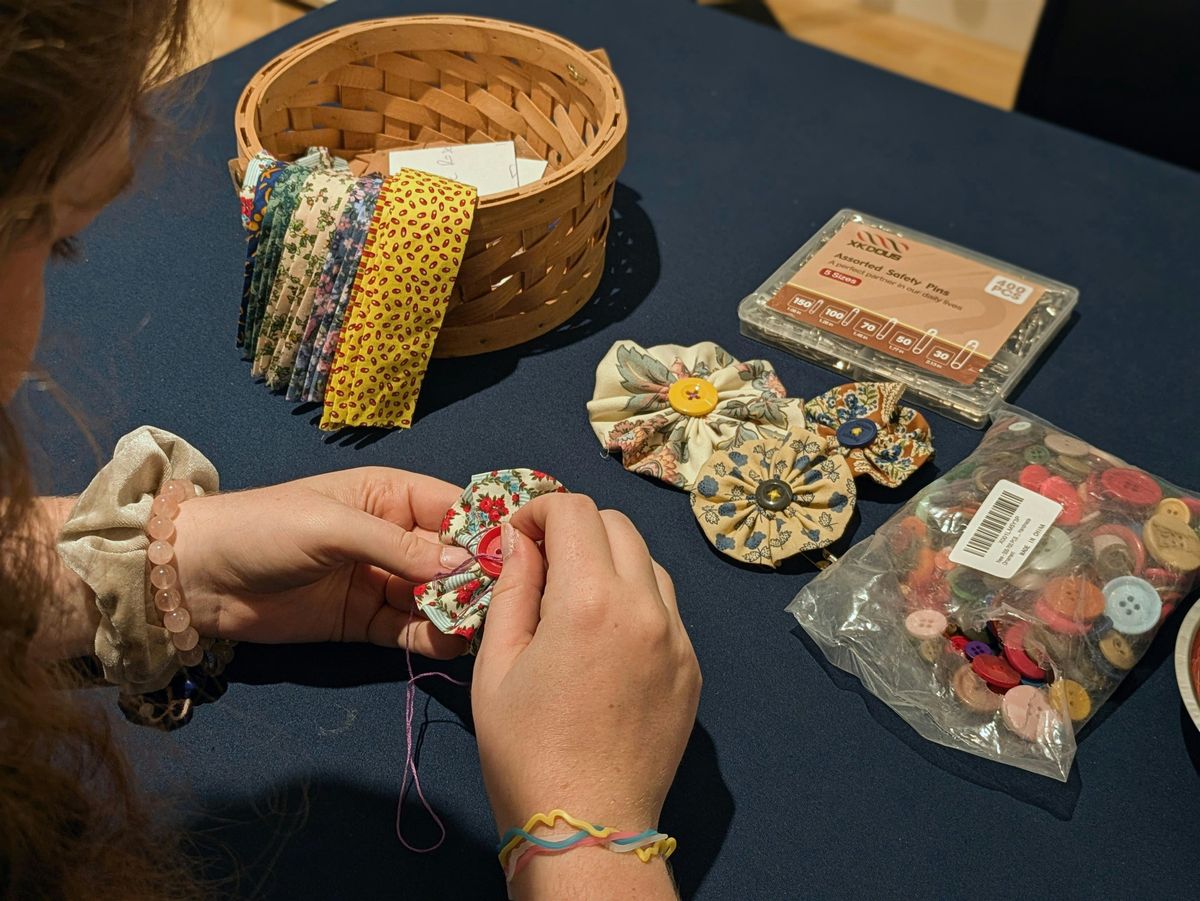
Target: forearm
(67,625)
(594,873)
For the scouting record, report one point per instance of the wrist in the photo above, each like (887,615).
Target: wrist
(195,584)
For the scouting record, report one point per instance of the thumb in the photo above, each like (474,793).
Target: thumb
(515,608)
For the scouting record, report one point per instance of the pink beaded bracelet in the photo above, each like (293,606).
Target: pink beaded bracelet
(163,573)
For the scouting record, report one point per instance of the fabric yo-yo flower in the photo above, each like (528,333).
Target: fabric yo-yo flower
(767,499)
(879,437)
(456,602)
(667,408)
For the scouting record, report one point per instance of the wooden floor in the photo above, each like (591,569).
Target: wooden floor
(866,30)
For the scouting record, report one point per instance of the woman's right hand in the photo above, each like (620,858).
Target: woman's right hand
(585,691)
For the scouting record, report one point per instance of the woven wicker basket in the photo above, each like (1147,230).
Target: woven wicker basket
(536,253)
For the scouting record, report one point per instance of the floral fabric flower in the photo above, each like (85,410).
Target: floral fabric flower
(632,410)
(900,440)
(457,602)
(766,499)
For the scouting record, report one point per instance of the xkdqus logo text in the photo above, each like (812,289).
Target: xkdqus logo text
(880,245)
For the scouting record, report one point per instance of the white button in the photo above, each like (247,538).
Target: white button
(1132,604)
(1053,551)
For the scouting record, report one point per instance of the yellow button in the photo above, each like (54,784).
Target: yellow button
(692,397)
(1173,506)
(1070,694)
(1116,650)
(1172,542)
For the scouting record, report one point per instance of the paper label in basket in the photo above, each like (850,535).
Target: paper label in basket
(1002,534)
(933,308)
(489,168)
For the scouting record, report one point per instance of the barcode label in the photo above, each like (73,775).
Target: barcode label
(1007,528)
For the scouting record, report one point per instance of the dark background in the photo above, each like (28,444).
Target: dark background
(741,144)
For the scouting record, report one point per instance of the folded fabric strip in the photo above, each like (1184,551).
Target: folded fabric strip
(766,499)
(305,252)
(410,261)
(879,437)
(457,602)
(316,350)
(261,175)
(667,408)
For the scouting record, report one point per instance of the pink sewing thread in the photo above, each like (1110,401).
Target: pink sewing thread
(410,700)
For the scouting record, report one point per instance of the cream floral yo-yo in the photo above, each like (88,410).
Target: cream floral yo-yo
(767,499)
(878,436)
(667,408)
(456,602)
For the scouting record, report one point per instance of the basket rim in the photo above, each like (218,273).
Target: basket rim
(609,136)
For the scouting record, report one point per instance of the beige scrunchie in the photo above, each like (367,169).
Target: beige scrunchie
(104,541)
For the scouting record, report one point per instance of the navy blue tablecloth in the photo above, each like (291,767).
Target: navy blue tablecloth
(795,783)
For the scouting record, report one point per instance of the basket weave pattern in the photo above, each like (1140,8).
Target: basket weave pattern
(536,253)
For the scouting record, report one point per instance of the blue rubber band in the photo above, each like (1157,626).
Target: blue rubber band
(543,842)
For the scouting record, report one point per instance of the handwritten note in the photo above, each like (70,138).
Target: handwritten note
(489,168)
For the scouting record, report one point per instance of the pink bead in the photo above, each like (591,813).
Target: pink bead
(178,490)
(191,657)
(167,599)
(176,620)
(186,640)
(163,577)
(160,552)
(164,506)
(160,528)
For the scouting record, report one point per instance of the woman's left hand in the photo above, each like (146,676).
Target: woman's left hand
(329,558)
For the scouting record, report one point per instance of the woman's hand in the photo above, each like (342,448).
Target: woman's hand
(584,692)
(329,558)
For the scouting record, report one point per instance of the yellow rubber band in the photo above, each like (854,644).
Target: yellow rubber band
(548,820)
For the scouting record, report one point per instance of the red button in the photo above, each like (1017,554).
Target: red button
(1131,486)
(995,672)
(1015,653)
(1033,476)
(960,643)
(488,553)
(1063,492)
(1192,504)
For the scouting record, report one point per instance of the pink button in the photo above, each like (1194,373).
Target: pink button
(923,624)
(1027,712)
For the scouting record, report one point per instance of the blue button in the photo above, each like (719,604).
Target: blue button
(1132,604)
(857,433)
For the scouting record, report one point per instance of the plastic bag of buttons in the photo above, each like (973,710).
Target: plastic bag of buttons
(1003,605)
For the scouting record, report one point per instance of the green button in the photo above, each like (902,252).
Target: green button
(1037,454)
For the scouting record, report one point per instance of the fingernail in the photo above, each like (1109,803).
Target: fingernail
(453,555)
(508,540)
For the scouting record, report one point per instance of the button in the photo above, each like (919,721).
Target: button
(1132,604)
(1077,466)
(1053,551)
(967,584)
(1192,504)
(773,494)
(931,649)
(1066,445)
(974,649)
(489,552)
(1054,620)
(692,397)
(1129,537)
(925,624)
(1116,650)
(1033,476)
(1036,454)
(973,691)
(1017,656)
(1074,597)
(995,672)
(1027,712)
(1069,695)
(959,643)
(1114,560)
(857,433)
(1172,543)
(1131,486)
(1173,506)
(1021,425)
(1063,492)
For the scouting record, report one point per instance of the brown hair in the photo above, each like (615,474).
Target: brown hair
(71,822)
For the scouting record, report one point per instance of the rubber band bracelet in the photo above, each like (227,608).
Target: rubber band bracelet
(519,845)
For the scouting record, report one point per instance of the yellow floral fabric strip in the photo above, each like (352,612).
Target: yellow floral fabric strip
(409,264)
